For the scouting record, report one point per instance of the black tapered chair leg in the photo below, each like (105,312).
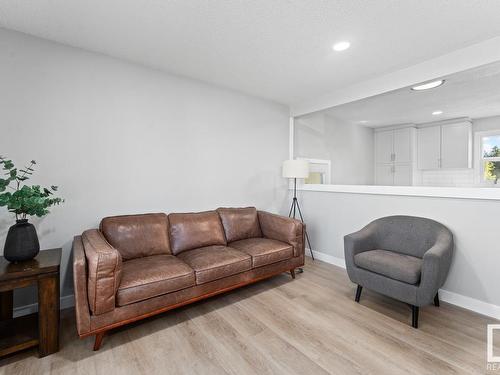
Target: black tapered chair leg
(358,293)
(436,300)
(414,316)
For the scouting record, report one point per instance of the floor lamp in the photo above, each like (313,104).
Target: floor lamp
(294,169)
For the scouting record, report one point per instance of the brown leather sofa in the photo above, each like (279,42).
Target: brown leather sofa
(136,266)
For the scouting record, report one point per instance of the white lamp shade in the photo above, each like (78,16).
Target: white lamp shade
(295,169)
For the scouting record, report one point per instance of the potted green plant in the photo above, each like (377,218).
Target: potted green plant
(23,201)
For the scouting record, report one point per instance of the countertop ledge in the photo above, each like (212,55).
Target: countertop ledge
(482,193)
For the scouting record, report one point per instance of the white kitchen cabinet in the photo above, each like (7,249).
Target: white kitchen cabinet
(393,146)
(445,146)
(402,174)
(384,146)
(394,156)
(402,145)
(394,174)
(456,147)
(384,175)
(429,147)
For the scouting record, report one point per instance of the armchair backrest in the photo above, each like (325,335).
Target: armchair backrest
(408,234)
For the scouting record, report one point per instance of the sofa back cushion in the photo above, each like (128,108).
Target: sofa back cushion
(192,230)
(136,236)
(240,223)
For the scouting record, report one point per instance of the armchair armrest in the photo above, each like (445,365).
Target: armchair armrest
(358,242)
(435,266)
(104,267)
(283,229)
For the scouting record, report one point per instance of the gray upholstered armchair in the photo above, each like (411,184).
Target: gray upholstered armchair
(403,257)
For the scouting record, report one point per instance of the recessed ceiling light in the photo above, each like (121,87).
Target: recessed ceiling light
(341,46)
(435,113)
(428,85)
(363,121)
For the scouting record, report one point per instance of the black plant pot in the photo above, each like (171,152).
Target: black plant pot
(21,242)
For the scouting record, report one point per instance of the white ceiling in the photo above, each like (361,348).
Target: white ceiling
(474,93)
(277,49)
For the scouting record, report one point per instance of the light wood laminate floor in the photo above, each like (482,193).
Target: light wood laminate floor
(309,325)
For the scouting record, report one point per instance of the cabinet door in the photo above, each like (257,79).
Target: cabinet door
(428,147)
(384,175)
(456,146)
(402,175)
(402,145)
(383,146)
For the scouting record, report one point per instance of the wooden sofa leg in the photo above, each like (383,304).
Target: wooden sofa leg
(436,300)
(414,316)
(292,272)
(358,293)
(98,340)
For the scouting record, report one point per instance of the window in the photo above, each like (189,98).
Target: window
(319,171)
(489,157)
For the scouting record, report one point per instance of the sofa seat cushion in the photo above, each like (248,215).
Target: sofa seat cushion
(148,277)
(405,268)
(215,262)
(263,250)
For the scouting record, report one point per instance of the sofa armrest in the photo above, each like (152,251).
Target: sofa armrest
(281,228)
(104,267)
(82,311)
(435,266)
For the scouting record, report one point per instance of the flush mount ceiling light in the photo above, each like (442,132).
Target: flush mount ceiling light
(435,113)
(341,46)
(428,85)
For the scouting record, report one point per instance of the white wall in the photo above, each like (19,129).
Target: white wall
(120,138)
(486,123)
(352,149)
(310,137)
(348,146)
(474,223)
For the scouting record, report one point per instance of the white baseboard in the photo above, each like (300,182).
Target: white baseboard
(339,262)
(480,307)
(65,302)
(469,303)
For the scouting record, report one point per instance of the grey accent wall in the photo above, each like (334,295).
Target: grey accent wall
(120,138)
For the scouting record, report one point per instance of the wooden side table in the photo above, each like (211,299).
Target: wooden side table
(40,329)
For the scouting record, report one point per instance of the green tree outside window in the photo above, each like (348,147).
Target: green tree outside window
(492,168)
